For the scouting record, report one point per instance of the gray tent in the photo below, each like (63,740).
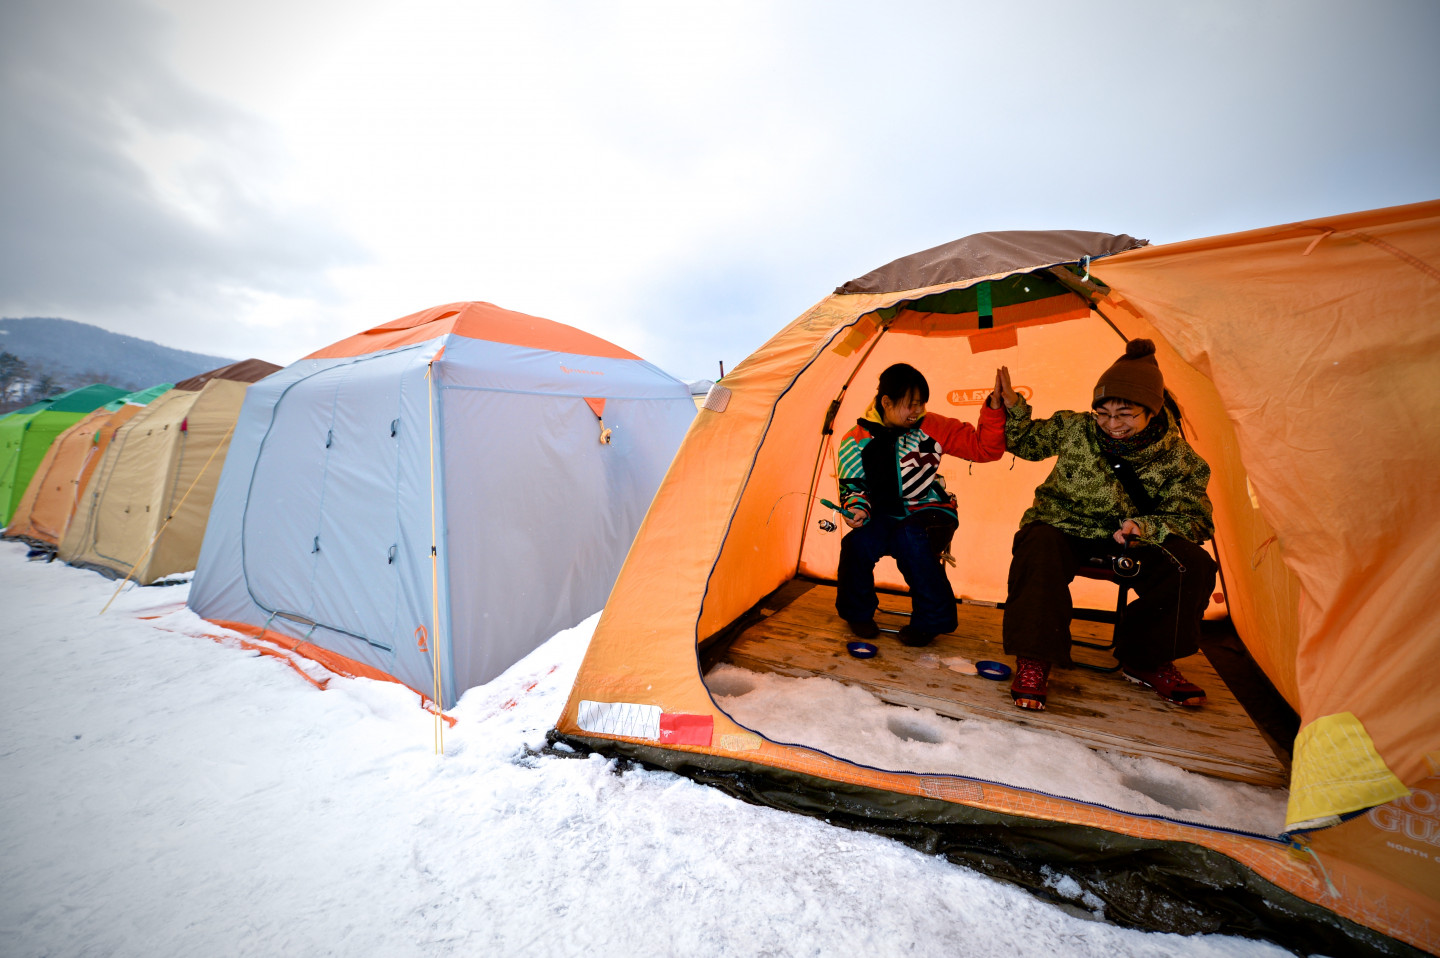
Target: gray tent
(532,449)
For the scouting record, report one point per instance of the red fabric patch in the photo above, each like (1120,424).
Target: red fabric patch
(677,728)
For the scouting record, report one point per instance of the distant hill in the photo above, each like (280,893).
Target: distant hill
(76,354)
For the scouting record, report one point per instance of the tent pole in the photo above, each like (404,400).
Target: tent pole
(1087,290)
(434,565)
(829,430)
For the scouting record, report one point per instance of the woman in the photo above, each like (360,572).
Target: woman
(1124,475)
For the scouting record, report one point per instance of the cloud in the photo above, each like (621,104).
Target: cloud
(126,192)
(1167,122)
(683,179)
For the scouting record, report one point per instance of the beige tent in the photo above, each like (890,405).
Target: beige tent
(145,512)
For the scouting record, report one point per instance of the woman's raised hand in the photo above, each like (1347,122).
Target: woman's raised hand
(1003,392)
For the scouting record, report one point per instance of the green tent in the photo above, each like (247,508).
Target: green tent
(27,433)
(141,397)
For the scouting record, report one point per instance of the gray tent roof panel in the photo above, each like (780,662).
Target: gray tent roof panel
(985,254)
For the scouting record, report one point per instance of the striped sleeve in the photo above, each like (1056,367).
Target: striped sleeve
(851,471)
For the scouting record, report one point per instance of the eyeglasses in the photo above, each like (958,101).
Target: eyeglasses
(1130,416)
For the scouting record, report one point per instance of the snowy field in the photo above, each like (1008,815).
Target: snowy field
(163,794)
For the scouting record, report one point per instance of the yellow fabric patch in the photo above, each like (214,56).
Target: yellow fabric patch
(857,337)
(740,742)
(1337,771)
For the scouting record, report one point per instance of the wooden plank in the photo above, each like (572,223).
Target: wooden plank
(804,637)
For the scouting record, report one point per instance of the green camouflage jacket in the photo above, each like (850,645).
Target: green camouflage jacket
(1083,497)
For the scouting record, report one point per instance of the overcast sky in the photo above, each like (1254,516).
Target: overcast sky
(263,178)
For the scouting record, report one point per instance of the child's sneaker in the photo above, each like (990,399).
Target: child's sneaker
(915,638)
(865,630)
(1168,683)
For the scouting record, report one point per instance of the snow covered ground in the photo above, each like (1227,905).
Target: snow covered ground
(165,794)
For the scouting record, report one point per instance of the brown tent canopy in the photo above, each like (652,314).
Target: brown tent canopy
(988,254)
(245,371)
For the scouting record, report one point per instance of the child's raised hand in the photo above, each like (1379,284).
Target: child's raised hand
(1007,393)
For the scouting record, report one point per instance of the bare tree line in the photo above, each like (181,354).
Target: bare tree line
(23,383)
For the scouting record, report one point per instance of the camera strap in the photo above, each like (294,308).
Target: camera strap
(1131,483)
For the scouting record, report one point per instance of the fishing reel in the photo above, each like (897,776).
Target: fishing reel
(1125,565)
(827,525)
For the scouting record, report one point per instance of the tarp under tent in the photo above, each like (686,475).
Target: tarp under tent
(429,500)
(26,435)
(45,511)
(1304,360)
(144,512)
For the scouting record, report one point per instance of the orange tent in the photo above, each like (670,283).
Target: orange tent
(1303,358)
(50,501)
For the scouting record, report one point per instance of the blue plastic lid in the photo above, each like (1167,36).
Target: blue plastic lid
(993,670)
(861,650)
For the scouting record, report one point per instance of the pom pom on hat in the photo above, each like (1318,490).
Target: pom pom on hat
(1134,377)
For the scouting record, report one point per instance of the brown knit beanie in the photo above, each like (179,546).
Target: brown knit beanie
(1134,377)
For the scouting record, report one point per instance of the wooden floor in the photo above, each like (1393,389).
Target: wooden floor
(796,632)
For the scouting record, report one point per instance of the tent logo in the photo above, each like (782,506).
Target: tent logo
(974,397)
(587,372)
(1414,816)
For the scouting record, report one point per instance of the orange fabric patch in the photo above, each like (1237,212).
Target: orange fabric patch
(1003,338)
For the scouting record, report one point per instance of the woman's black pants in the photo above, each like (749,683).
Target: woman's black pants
(1162,622)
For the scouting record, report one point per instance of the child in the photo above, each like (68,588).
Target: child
(890,483)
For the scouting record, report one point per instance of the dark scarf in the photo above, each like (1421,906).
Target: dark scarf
(1130,445)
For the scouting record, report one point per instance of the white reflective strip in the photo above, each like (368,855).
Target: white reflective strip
(717,398)
(621,718)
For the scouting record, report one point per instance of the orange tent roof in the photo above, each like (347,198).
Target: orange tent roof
(475,320)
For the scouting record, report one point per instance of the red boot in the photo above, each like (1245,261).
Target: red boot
(1031,683)
(1168,683)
